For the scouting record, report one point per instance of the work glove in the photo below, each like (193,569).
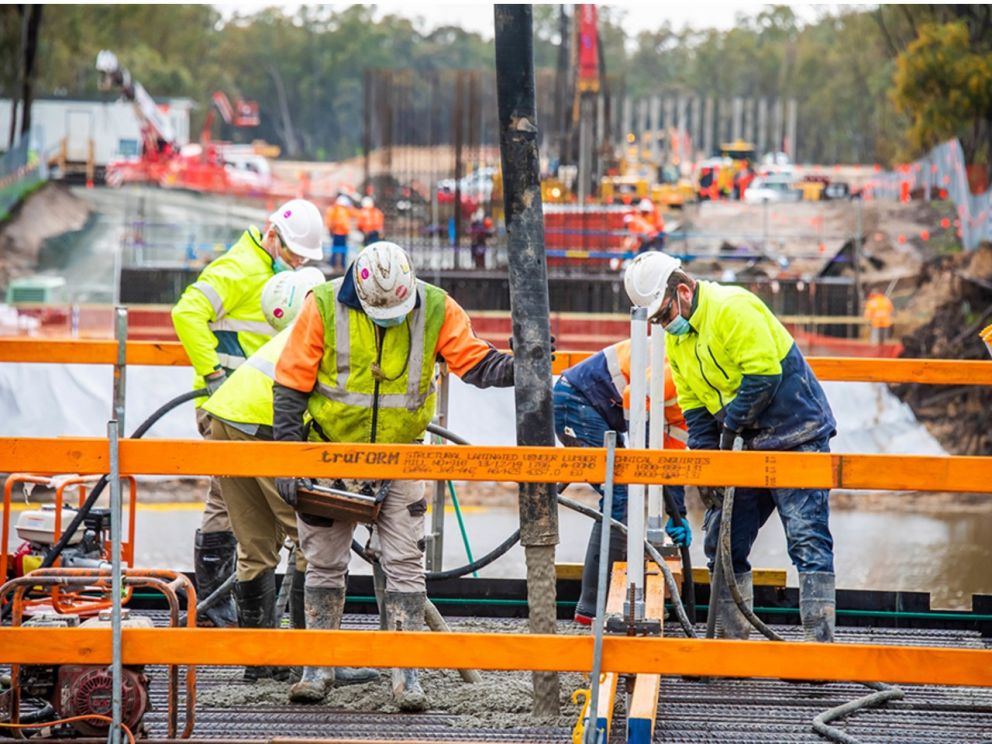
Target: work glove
(711,496)
(727,437)
(287,489)
(680,534)
(214,380)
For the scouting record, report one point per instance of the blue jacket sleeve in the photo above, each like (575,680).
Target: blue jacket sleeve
(754,395)
(704,429)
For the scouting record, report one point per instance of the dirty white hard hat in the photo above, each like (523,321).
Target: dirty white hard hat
(343,201)
(302,228)
(646,279)
(385,281)
(283,294)
(645,205)
(367,201)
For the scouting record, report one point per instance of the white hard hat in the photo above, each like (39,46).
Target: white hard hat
(283,294)
(646,279)
(343,201)
(301,226)
(385,281)
(367,201)
(645,205)
(627,218)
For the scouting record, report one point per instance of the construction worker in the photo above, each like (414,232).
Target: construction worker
(480,231)
(878,313)
(370,220)
(640,233)
(740,374)
(241,410)
(591,398)
(220,323)
(361,359)
(338,220)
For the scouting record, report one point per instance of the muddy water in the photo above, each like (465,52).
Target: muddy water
(948,554)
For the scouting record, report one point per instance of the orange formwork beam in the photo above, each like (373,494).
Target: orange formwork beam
(171,353)
(518,464)
(670,656)
(86,351)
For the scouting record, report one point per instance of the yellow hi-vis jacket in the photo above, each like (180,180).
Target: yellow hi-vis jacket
(347,386)
(219,317)
(246,396)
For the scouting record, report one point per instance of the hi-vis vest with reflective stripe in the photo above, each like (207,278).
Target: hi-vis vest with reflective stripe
(342,400)
(246,396)
(233,284)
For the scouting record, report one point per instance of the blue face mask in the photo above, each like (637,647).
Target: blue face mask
(279,265)
(679,325)
(389,322)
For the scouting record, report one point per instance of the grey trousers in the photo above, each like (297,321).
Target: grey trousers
(400,532)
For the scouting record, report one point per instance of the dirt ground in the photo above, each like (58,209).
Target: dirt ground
(51,211)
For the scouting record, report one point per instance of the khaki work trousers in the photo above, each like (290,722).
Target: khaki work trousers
(400,532)
(215,517)
(260,519)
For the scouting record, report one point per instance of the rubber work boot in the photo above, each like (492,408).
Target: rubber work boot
(817,606)
(257,609)
(405,611)
(324,608)
(214,560)
(730,621)
(585,609)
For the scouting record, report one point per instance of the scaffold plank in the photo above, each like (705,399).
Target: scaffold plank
(627,655)
(520,464)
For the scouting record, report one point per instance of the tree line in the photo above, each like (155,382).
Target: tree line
(873,85)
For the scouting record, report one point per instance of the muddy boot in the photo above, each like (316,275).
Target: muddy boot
(257,609)
(214,560)
(730,621)
(297,606)
(585,609)
(405,611)
(817,606)
(324,608)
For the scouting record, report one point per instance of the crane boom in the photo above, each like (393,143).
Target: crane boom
(112,74)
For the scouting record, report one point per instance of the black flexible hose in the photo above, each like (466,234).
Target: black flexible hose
(56,550)
(688,585)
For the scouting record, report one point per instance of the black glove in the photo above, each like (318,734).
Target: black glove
(214,380)
(287,490)
(727,438)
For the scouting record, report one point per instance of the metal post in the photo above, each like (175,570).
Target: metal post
(435,542)
(113,434)
(591,735)
(636,440)
(528,280)
(120,368)
(656,430)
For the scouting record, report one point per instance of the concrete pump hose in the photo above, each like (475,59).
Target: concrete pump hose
(727,562)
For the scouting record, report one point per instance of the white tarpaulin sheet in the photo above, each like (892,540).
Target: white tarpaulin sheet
(49,400)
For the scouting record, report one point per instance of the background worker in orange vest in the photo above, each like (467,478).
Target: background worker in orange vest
(371,221)
(640,233)
(338,220)
(878,313)
(591,398)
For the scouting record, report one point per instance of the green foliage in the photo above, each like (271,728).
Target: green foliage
(306,69)
(945,85)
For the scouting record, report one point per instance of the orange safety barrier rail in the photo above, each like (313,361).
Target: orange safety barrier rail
(520,464)
(840,369)
(628,655)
